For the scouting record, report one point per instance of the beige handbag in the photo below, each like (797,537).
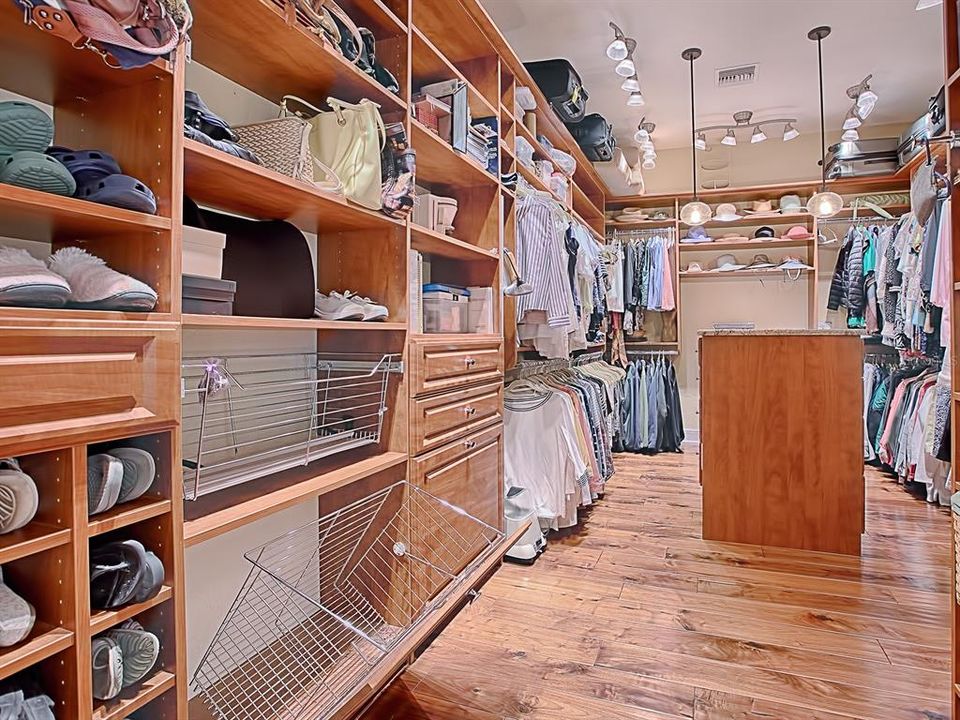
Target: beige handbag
(349,139)
(283,144)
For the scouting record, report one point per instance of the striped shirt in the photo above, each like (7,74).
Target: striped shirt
(542,262)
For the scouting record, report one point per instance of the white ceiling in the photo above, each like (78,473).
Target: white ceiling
(900,46)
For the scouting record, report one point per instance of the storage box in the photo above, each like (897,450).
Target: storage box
(203,252)
(208,296)
(434,212)
(480,319)
(445,316)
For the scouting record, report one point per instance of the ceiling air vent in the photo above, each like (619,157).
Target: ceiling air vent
(739,75)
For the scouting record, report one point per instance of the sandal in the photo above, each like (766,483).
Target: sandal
(26,281)
(86,165)
(120,191)
(97,286)
(34,170)
(23,126)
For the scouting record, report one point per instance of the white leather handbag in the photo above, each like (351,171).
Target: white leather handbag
(349,140)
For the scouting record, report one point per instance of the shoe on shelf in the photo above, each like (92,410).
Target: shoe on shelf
(97,286)
(26,281)
(152,580)
(11,705)
(371,311)
(39,707)
(108,668)
(104,482)
(139,470)
(117,572)
(23,127)
(19,499)
(337,307)
(17,616)
(139,649)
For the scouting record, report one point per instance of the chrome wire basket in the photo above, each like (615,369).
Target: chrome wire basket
(247,416)
(325,603)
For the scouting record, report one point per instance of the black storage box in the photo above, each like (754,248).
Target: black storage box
(208,296)
(562,86)
(595,137)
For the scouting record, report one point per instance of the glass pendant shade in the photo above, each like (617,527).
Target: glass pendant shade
(825,204)
(758,135)
(650,155)
(631,84)
(866,101)
(701,142)
(790,132)
(649,164)
(729,139)
(695,213)
(636,99)
(617,50)
(850,136)
(851,121)
(626,68)
(647,145)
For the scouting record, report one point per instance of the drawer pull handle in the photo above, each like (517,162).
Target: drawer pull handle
(469,362)
(470,444)
(469,410)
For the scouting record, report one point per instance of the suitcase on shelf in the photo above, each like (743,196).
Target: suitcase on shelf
(562,85)
(595,137)
(862,158)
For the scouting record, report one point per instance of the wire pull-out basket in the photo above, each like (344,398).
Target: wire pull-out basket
(325,603)
(246,416)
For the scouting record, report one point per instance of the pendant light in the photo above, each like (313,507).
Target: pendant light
(790,132)
(636,99)
(758,135)
(701,142)
(852,120)
(631,84)
(617,50)
(823,204)
(729,139)
(694,212)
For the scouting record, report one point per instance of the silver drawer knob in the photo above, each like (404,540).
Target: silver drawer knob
(469,362)
(469,410)
(470,444)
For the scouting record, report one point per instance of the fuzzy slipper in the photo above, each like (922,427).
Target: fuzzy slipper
(38,708)
(18,496)
(37,171)
(86,165)
(152,580)
(140,650)
(96,286)
(104,481)
(108,668)
(23,127)
(17,616)
(120,191)
(139,470)
(116,573)
(26,281)
(11,704)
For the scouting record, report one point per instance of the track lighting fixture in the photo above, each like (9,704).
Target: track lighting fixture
(694,212)
(701,142)
(648,164)
(864,99)
(758,135)
(744,119)
(852,120)
(823,204)
(850,136)
(631,84)
(729,138)
(641,135)
(790,132)
(636,99)
(626,68)
(617,50)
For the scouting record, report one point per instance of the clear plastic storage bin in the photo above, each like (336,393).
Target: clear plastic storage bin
(445,316)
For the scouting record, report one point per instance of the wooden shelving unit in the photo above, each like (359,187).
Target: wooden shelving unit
(238,322)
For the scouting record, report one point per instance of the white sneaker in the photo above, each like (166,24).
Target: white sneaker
(337,307)
(371,310)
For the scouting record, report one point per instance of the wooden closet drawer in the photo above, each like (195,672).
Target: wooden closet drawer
(441,366)
(465,473)
(440,419)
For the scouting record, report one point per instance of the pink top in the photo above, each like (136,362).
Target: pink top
(668,302)
(941,291)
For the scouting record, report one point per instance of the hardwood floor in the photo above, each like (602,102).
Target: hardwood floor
(634,616)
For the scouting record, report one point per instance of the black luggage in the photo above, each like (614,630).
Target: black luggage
(562,86)
(595,137)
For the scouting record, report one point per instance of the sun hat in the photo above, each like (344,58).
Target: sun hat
(761,207)
(660,215)
(734,237)
(793,263)
(697,235)
(798,232)
(726,212)
(760,262)
(790,204)
(694,267)
(764,232)
(727,263)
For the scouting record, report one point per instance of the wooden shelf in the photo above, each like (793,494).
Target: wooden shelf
(805,219)
(507,150)
(939,153)
(285,60)
(742,273)
(148,691)
(439,164)
(239,322)
(375,16)
(225,182)
(94,319)
(451,27)
(745,245)
(584,205)
(227,510)
(531,177)
(34,215)
(128,513)
(34,538)
(105,619)
(429,241)
(44,641)
(429,65)
(454,337)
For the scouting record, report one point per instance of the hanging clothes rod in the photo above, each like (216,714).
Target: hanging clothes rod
(872,219)
(652,352)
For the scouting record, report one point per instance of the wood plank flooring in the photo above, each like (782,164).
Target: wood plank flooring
(632,615)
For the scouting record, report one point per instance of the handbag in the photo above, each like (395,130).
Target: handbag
(283,144)
(349,140)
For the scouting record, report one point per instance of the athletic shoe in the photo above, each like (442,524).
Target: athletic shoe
(104,482)
(39,707)
(18,496)
(371,311)
(139,648)
(108,668)
(337,307)
(139,470)
(17,616)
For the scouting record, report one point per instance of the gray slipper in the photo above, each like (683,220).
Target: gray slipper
(17,616)
(18,496)
(140,650)
(107,667)
(38,708)
(139,470)
(104,480)
(37,171)
(23,126)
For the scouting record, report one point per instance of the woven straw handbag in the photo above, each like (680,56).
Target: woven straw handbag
(283,145)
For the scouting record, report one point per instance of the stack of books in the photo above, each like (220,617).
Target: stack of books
(483,144)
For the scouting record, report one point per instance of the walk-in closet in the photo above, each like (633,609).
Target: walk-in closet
(479,359)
